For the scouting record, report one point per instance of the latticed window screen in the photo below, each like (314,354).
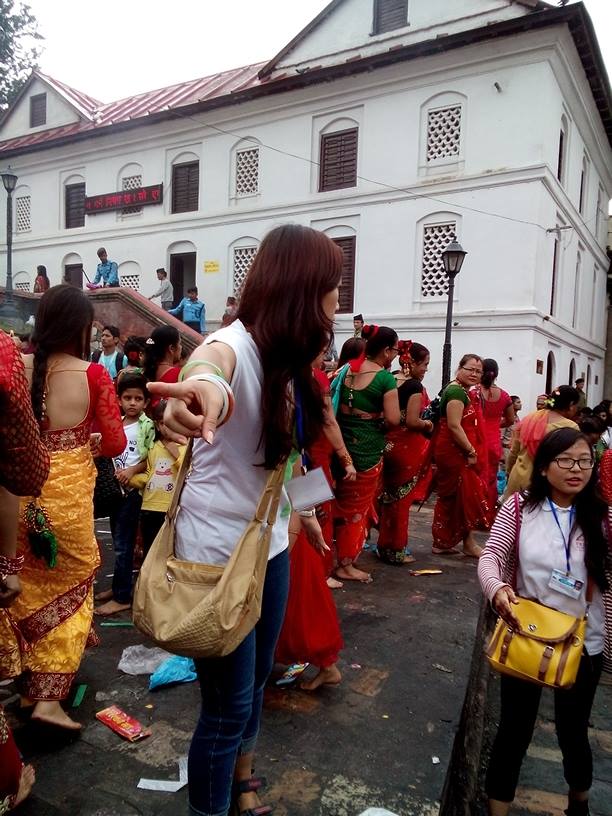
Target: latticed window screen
(131,281)
(436,237)
(243,258)
(22,214)
(23,286)
(247,172)
(131,183)
(443,132)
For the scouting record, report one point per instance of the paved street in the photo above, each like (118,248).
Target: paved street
(374,741)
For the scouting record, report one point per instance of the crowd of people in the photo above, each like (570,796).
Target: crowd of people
(265,392)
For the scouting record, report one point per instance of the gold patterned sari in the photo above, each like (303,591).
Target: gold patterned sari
(44,633)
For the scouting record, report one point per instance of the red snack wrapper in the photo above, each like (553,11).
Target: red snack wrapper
(127,727)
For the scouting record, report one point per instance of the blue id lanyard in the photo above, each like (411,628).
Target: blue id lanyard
(567,541)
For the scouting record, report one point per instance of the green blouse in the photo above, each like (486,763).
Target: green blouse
(453,392)
(365,438)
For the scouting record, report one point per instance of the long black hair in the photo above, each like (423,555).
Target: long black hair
(490,372)
(156,347)
(378,338)
(281,306)
(63,324)
(591,510)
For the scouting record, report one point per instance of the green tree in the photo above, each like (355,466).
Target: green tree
(19,51)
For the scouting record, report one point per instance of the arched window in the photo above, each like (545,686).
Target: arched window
(23,207)
(185,188)
(21,282)
(245,164)
(74,202)
(434,233)
(550,372)
(129,275)
(588,380)
(584,185)
(338,154)
(73,270)
(130,178)
(577,284)
(442,130)
(572,372)
(242,253)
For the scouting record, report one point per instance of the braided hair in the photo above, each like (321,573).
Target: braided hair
(63,324)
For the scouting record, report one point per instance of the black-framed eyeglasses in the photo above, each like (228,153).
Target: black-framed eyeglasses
(567,463)
(477,371)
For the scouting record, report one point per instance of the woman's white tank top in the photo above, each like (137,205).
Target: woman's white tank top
(227,478)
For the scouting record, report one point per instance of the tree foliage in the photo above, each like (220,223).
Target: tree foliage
(19,50)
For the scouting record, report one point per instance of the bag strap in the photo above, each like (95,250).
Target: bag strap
(180,481)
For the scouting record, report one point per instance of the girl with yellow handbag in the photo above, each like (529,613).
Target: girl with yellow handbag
(547,553)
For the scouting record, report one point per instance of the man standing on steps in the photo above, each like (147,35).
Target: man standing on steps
(110,355)
(191,311)
(107,273)
(165,291)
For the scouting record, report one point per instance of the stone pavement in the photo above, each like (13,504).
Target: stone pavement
(383,738)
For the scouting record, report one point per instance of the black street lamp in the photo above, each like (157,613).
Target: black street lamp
(8,309)
(452,258)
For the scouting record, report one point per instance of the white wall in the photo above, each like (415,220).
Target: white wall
(58,113)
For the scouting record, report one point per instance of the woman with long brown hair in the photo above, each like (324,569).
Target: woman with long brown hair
(368,402)
(70,398)
(406,476)
(284,321)
(460,456)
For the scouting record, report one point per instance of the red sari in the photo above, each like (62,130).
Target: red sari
(406,479)
(10,764)
(492,413)
(311,632)
(462,503)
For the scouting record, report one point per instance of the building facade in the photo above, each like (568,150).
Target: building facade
(391,126)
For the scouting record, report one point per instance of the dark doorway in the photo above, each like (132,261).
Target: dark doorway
(73,274)
(550,372)
(182,274)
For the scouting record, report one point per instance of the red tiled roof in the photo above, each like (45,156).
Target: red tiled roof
(98,115)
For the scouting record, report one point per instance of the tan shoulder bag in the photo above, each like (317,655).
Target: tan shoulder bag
(204,610)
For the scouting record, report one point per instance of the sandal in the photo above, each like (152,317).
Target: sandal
(251,785)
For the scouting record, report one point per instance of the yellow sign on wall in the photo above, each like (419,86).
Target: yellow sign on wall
(210,267)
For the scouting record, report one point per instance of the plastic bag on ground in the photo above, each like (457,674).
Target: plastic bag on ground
(377,812)
(141,659)
(173,670)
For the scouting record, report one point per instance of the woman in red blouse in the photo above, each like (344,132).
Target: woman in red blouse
(71,398)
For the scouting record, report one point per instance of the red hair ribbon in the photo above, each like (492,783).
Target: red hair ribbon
(367,333)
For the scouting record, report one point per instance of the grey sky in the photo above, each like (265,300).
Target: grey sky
(117,48)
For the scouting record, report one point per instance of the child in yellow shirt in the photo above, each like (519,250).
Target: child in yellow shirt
(158,482)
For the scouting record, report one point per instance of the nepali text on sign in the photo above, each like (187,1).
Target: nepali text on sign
(140,197)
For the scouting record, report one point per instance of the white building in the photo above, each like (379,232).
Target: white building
(392,126)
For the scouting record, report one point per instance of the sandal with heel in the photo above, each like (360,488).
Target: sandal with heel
(251,785)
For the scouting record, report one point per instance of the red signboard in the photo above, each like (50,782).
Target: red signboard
(126,198)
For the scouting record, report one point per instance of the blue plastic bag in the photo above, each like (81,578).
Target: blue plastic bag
(173,670)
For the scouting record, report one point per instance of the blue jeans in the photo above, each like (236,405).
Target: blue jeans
(232,690)
(124,528)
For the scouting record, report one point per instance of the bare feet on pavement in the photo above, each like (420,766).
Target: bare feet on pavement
(51,712)
(333,584)
(111,608)
(27,779)
(329,676)
(105,595)
(351,573)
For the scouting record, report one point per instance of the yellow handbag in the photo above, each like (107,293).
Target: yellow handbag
(204,610)
(546,650)
(548,646)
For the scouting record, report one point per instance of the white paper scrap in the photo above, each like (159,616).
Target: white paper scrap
(167,785)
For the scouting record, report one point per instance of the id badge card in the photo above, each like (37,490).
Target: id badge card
(565,584)
(309,490)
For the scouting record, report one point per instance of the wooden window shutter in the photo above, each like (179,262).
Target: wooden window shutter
(75,205)
(338,160)
(347,287)
(185,187)
(38,110)
(389,15)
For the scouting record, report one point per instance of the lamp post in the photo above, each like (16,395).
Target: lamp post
(452,258)
(8,309)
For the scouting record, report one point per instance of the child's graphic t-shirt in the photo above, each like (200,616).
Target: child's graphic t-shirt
(130,455)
